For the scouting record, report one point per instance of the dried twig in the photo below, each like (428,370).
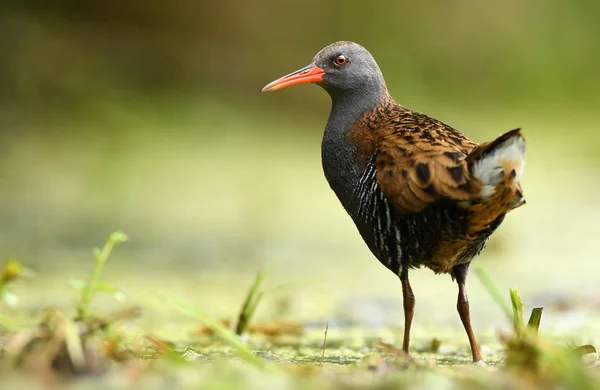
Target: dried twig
(324,343)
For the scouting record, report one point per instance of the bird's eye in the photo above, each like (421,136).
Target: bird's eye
(341,60)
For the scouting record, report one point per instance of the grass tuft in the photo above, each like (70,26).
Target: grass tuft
(531,356)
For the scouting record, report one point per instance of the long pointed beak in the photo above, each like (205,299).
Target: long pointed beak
(309,74)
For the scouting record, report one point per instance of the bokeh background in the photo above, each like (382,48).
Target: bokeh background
(146,116)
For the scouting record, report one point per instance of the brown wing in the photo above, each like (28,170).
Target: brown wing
(423,161)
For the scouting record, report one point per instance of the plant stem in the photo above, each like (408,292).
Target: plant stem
(101,257)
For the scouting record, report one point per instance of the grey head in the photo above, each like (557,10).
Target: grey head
(341,68)
(349,67)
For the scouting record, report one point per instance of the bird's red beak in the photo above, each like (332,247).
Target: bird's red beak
(308,74)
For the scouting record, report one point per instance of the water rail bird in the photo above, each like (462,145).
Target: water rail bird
(420,192)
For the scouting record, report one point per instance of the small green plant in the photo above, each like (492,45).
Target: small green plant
(531,355)
(255,294)
(518,306)
(94,284)
(11,271)
(515,311)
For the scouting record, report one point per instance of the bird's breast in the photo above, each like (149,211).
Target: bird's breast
(340,166)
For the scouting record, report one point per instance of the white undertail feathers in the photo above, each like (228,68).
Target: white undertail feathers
(503,154)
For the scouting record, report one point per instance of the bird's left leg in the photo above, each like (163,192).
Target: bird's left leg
(409,307)
(459,272)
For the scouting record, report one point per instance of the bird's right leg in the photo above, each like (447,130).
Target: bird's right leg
(409,307)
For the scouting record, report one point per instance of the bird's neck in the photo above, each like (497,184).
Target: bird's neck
(341,163)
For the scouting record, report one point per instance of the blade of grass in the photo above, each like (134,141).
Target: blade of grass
(494,291)
(533,325)
(248,308)
(248,314)
(227,335)
(517,305)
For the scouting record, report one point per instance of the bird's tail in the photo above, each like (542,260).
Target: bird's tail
(498,165)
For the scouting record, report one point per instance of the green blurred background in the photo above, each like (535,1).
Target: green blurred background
(146,116)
